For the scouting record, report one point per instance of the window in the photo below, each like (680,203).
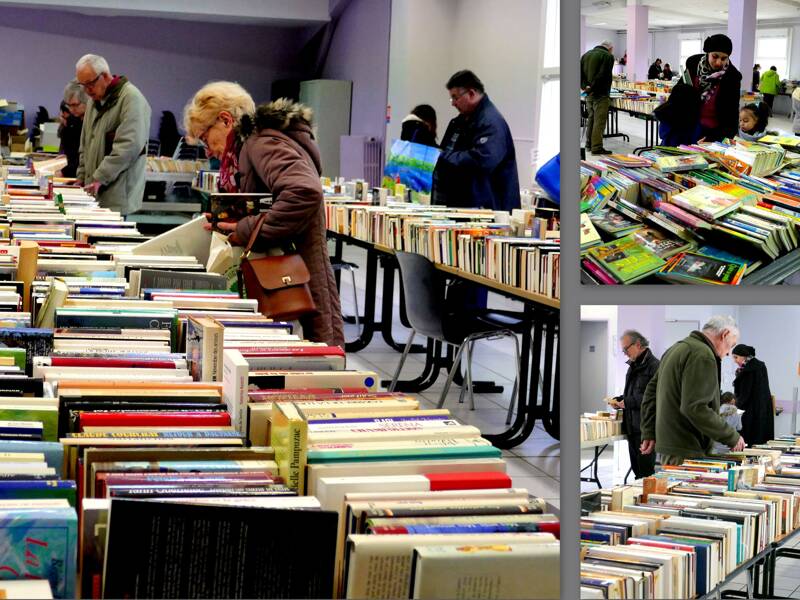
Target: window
(549,134)
(690,47)
(773,48)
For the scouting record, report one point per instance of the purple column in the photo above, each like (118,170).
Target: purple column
(742,31)
(637,41)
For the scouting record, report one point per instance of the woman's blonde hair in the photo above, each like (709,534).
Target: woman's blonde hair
(212,99)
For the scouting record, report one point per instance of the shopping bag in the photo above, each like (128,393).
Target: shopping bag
(549,178)
(224,259)
(413,164)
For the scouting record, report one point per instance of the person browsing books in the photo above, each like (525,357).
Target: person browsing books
(770,86)
(116,126)
(420,126)
(272,149)
(667,73)
(642,365)
(753,396)
(478,166)
(753,121)
(655,71)
(597,67)
(718,83)
(75,100)
(680,407)
(732,416)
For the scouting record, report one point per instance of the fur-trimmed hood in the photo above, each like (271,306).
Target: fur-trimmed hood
(282,114)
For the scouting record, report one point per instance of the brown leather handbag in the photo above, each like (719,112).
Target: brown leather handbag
(279,283)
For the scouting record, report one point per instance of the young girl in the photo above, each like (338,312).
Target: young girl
(729,412)
(753,120)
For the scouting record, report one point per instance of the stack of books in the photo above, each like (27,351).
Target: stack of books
(600,425)
(206,181)
(162,164)
(680,533)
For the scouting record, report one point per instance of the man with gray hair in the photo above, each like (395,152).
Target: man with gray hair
(113,144)
(642,365)
(75,100)
(597,67)
(680,409)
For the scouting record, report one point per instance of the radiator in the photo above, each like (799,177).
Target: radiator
(361,157)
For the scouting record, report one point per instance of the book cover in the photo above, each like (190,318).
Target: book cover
(671,164)
(233,207)
(289,439)
(204,347)
(688,266)
(625,259)
(36,342)
(159,549)
(40,544)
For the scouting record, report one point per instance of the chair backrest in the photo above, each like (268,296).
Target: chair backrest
(424,293)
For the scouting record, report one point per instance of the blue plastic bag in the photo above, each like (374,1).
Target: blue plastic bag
(549,178)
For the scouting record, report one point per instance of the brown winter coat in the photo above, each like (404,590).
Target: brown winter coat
(287,164)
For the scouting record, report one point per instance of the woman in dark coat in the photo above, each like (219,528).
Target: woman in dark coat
(718,83)
(272,149)
(751,387)
(420,126)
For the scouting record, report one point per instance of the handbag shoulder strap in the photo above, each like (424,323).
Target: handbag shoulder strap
(254,233)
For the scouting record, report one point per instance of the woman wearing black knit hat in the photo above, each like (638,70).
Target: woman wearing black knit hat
(718,83)
(751,387)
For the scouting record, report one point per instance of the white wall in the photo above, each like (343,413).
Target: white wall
(432,39)
(595,36)
(594,359)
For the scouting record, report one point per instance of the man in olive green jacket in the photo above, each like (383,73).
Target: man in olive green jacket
(680,408)
(116,126)
(597,67)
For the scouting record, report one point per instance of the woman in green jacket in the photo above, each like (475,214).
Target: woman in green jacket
(770,86)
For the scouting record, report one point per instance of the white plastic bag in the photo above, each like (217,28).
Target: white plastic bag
(224,259)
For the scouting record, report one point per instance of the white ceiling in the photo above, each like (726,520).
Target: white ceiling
(298,13)
(612,14)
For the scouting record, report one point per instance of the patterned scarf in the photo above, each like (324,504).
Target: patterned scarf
(708,78)
(229,164)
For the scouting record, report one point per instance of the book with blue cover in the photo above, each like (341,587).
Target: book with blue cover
(40,543)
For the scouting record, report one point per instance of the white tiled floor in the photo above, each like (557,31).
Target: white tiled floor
(535,463)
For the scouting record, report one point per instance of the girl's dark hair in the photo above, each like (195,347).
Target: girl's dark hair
(727,398)
(425,112)
(761,112)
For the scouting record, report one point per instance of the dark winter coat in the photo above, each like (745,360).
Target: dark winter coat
(751,388)
(478,165)
(640,372)
(727,97)
(415,130)
(70,135)
(680,408)
(284,159)
(654,72)
(597,68)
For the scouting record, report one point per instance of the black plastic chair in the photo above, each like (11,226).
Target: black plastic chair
(343,265)
(424,289)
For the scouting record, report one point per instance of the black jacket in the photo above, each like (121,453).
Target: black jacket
(478,165)
(654,71)
(751,387)
(640,372)
(70,144)
(727,96)
(414,130)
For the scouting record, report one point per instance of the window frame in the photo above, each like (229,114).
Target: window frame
(767,61)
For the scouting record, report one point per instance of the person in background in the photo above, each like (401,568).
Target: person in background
(272,149)
(478,166)
(680,408)
(69,132)
(168,134)
(655,72)
(729,412)
(642,365)
(796,111)
(420,126)
(770,86)
(753,121)
(667,73)
(751,387)
(597,66)
(679,117)
(113,150)
(718,83)
(756,77)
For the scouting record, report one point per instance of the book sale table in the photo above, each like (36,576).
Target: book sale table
(599,447)
(539,349)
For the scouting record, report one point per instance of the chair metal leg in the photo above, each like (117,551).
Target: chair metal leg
(516,381)
(455,366)
(470,345)
(355,300)
(406,350)
(463,384)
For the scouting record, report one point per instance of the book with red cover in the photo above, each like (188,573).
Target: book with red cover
(122,363)
(154,419)
(293,351)
(465,480)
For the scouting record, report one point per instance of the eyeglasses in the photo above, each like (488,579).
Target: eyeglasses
(203,137)
(454,99)
(626,348)
(73,104)
(91,83)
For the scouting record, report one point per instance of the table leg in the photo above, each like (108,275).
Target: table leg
(368,320)
(389,264)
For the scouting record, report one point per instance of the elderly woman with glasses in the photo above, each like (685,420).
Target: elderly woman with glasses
(272,149)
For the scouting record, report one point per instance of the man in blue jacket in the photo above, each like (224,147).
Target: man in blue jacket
(477,167)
